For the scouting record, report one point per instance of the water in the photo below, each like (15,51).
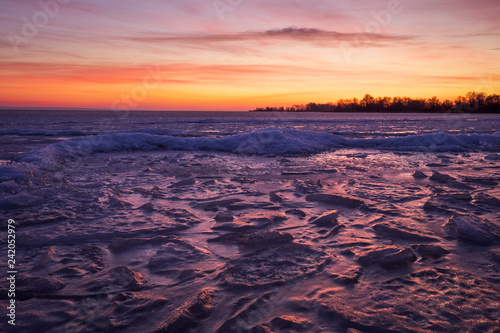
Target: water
(217,123)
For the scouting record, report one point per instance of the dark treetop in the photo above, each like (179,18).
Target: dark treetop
(473,102)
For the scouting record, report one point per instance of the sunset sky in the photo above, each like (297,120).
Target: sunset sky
(241,54)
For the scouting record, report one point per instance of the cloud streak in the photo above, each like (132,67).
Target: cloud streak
(304,35)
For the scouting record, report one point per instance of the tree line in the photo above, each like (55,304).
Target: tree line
(472,102)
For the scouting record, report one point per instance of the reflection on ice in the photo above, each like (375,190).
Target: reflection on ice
(373,235)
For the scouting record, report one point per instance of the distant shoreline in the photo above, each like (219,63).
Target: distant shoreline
(380,112)
(473,102)
(58,111)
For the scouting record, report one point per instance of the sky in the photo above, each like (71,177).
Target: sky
(242,54)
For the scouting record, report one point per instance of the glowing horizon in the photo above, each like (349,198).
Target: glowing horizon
(238,55)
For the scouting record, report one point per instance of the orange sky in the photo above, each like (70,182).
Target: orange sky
(238,55)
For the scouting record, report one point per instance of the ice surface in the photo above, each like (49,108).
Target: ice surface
(206,224)
(267,141)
